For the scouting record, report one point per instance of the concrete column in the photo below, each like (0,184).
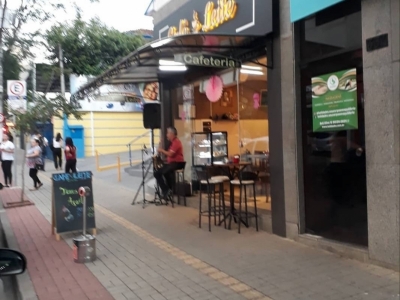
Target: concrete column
(289,120)
(382,113)
(283,119)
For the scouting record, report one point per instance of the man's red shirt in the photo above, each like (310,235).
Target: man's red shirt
(177,151)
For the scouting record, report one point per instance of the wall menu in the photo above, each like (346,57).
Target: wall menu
(334,101)
(67,204)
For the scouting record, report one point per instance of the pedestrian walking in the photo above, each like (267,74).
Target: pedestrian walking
(70,156)
(57,153)
(7,149)
(34,162)
(43,143)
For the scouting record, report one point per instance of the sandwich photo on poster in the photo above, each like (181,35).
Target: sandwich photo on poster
(334,101)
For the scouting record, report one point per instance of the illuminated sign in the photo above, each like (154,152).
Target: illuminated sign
(214,16)
(206,60)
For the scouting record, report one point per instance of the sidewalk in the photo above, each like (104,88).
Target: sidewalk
(50,266)
(160,253)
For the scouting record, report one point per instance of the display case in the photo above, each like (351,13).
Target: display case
(209,148)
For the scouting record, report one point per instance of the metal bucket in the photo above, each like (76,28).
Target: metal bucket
(84,249)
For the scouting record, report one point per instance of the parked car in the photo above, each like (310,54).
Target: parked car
(11,262)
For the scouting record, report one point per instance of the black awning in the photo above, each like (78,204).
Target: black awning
(142,65)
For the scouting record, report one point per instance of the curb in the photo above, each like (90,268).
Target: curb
(25,288)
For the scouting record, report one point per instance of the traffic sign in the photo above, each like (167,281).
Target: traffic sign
(16,89)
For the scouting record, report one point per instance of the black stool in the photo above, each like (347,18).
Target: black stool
(180,182)
(212,210)
(246,179)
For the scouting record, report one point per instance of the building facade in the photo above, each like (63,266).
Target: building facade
(335,168)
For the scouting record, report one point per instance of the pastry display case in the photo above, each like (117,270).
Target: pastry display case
(209,148)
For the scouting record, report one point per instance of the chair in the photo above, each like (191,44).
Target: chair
(260,165)
(213,210)
(180,182)
(246,179)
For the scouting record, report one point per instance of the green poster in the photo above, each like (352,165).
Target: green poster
(334,101)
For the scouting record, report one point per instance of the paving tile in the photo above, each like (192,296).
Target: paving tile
(160,253)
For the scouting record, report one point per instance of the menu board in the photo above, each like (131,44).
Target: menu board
(68,205)
(334,101)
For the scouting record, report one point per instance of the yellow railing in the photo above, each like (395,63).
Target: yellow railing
(118,165)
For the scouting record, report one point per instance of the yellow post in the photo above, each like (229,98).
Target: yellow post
(97,161)
(119,168)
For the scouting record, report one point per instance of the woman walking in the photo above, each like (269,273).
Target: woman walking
(57,154)
(34,159)
(70,156)
(7,154)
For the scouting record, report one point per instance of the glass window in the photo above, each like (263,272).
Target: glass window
(334,161)
(241,112)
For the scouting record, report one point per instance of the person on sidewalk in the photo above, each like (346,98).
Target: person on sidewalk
(7,148)
(34,160)
(174,156)
(43,143)
(57,153)
(70,156)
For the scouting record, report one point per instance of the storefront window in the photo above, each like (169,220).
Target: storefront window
(254,125)
(333,131)
(241,112)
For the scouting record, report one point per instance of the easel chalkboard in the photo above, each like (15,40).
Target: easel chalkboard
(67,206)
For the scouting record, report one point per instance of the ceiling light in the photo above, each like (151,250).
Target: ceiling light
(252,72)
(164,62)
(160,43)
(173,68)
(251,67)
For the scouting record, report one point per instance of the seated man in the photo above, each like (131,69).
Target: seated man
(174,156)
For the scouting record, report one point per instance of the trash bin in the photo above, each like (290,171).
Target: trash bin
(84,249)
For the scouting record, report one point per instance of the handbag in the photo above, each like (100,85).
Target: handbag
(38,163)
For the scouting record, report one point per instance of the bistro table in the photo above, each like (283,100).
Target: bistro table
(232,170)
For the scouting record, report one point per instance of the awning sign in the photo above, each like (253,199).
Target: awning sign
(238,17)
(207,60)
(214,16)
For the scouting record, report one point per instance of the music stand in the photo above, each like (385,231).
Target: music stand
(145,171)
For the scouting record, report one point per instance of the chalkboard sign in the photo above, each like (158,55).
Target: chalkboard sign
(67,204)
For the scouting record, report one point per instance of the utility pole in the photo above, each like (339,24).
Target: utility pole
(62,78)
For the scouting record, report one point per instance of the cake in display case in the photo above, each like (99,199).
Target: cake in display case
(209,148)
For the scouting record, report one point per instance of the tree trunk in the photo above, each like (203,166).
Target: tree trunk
(23,177)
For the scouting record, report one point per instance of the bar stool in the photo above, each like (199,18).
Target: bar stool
(213,210)
(221,187)
(246,179)
(180,182)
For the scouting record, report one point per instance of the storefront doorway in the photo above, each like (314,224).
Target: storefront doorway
(333,126)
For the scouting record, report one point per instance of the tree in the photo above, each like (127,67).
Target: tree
(15,37)
(42,110)
(12,68)
(89,48)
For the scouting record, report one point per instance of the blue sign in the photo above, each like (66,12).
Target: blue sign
(299,9)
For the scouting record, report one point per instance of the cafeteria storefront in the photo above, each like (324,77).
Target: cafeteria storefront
(276,73)
(240,110)
(233,44)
